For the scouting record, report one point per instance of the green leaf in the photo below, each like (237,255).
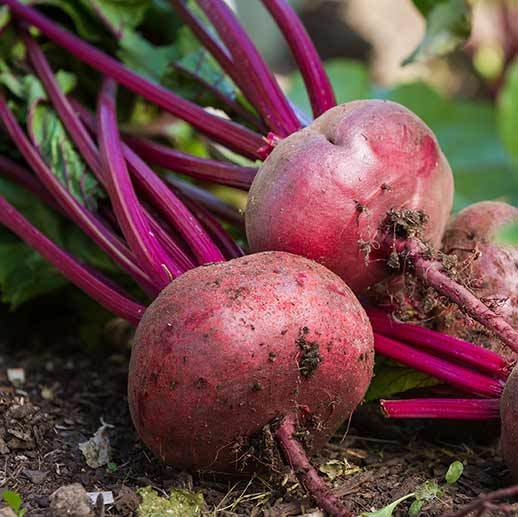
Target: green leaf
(5,17)
(38,214)
(82,247)
(467,133)
(86,25)
(118,15)
(447,27)
(391,378)
(92,18)
(143,57)
(50,137)
(25,275)
(192,58)
(350,80)
(112,467)
(507,234)
(388,510)
(179,503)
(10,80)
(28,87)
(66,81)
(13,500)
(32,90)
(426,6)
(454,472)
(507,112)
(428,490)
(416,507)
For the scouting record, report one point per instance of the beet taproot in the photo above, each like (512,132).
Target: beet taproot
(326,190)
(488,266)
(228,348)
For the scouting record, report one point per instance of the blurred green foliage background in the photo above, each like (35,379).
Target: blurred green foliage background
(453,62)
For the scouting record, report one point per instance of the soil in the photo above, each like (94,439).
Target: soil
(69,392)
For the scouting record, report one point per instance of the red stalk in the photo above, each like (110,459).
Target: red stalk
(317,82)
(86,145)
(193,166)
(127,208)
(270,101)
(232,135)
(452,409)
(171,208)
(464,379)
(217,232)
(92,284)
(461,351)
(92,226)
(211,202)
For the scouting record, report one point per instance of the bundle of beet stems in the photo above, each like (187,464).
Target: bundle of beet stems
(168,238)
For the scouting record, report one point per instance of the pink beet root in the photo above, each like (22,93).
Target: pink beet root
(229,348)
(325,191)
(488,267)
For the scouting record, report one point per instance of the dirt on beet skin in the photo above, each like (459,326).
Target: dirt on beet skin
(69,393)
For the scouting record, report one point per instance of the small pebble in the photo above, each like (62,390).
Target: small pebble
(71,500)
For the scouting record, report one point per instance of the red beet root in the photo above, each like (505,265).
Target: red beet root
(325,191)
(228,348)
(488,267)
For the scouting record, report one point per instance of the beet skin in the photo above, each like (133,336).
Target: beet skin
(325,191)
(487,266)
(230,347)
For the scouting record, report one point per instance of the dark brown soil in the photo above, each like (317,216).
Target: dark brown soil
(69,393)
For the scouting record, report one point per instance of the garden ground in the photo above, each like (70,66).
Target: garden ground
(68,394)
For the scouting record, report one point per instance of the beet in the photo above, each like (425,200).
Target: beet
(229,348)
(488,266)
(509,418)
(325,191)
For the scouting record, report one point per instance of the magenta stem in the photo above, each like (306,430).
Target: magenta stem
(306,473)
(21,176)
(219,52)
(452,409)
(233,106)
(432,273)
(218,233)
(171,208)
(464,352)
(193,166)
(173,248)
(92,284)
(77,131)
(317,82)
(207,199)
(464,379)
(269,99)
(228,133)
(87,146)
(182,261)
(93,227)
(126,205)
